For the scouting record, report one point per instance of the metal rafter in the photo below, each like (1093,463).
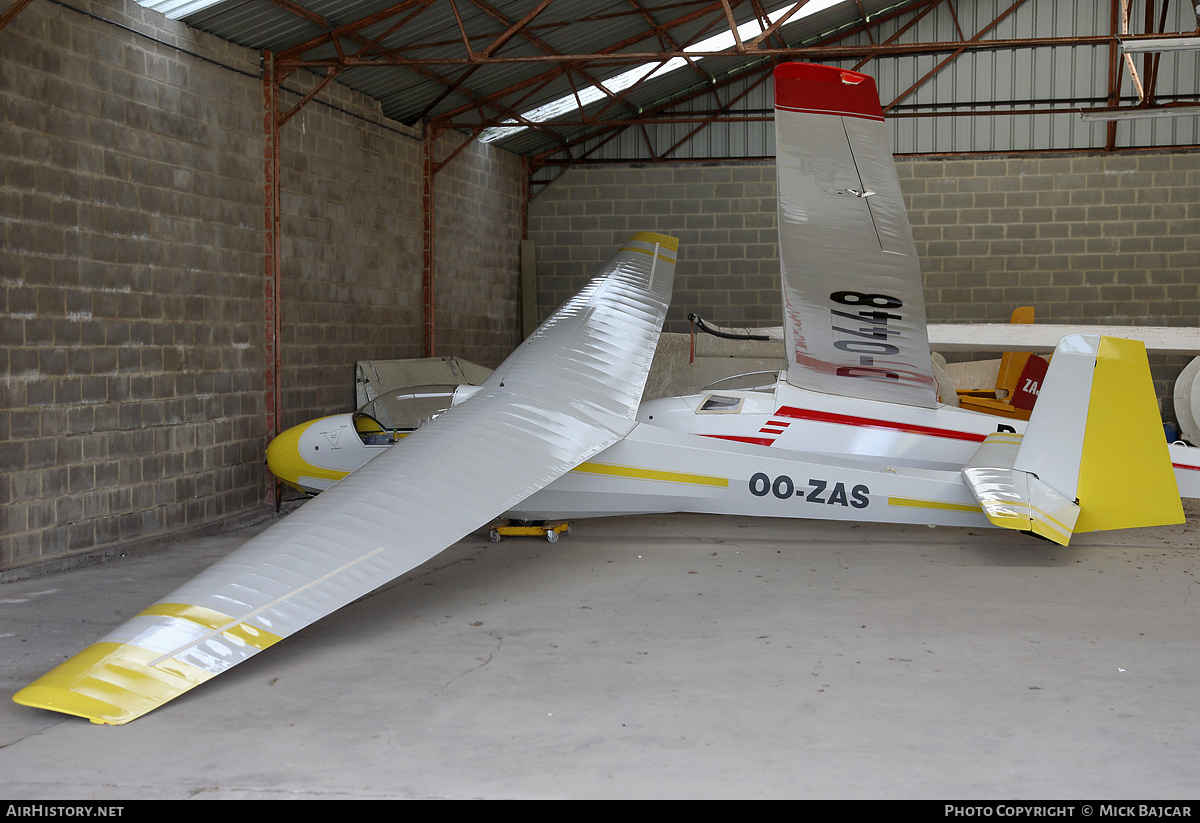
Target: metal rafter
(611,129)
(829,52)
(370,49)
(541,44)
(954,54)
(13,11)
(461,71)
(758,73)
(565,61)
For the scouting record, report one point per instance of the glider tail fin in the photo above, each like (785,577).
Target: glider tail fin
(1093,456)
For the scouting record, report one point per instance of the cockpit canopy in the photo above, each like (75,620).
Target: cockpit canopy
(409,408)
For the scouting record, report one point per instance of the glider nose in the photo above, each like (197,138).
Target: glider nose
(283,456)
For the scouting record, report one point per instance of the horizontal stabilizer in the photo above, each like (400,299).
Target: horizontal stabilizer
(1014,499)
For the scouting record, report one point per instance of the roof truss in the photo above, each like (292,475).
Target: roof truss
(480,64)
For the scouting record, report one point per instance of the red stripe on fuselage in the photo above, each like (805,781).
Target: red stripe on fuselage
(871,423)
(757,441)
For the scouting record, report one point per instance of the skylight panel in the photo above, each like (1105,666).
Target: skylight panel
(178,9)
(591,94)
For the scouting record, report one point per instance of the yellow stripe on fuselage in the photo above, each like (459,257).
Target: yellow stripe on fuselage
(639,473)
(914,503)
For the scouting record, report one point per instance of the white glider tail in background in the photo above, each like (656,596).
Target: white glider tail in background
(567,393)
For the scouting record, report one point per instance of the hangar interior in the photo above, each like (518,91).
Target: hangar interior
(212,211)
(184,276)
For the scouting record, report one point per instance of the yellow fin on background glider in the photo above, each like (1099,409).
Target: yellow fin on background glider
(1125,475)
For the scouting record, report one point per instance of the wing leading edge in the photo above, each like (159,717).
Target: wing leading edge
(854,307)
(570,391)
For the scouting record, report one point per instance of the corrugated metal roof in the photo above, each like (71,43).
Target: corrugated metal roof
(423,70)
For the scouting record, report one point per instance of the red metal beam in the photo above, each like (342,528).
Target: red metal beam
(428,232)
(519,26)
(569,61)
(294,110)
(1114,74)
(999,18)
(271,256)
(806,52)
(13,11)
(495,108)
(288,55)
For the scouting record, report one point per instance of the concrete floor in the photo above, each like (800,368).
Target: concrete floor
(675,656)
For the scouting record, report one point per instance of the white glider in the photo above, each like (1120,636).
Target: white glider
(851,431)
(570,391)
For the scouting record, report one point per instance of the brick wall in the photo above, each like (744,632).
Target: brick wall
(351,224)
(1090,239)
(724,217)
(478,210)
(131,273)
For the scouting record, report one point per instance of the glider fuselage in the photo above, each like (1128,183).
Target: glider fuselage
(782,452)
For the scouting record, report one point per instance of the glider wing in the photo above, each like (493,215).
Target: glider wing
(571,390)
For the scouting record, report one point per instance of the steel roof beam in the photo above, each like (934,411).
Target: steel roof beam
(12,12)
(566,60)
(999,18)
(353,27)
(810,52)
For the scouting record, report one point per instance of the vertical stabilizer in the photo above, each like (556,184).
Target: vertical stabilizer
(1093,457)
(1125,474)
(854,303)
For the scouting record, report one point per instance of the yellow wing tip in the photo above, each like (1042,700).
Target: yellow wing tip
(664,240)
(65,701)
(110,683)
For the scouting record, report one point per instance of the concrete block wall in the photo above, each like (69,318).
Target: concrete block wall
(723,215)
(1113,240)
(1086,239)
(132,274)
(351,223)
(1108,240)
(353,254)
(131,284)
(478,209)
